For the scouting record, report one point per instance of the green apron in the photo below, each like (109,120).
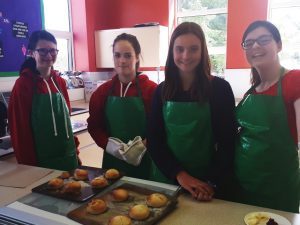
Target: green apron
(266,160)
(126,119)
(189,138)
(56,152)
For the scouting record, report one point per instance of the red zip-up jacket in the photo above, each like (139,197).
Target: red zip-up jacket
(96,120)
(19,112)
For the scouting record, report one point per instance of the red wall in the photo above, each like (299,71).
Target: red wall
(91,15)
(240,14)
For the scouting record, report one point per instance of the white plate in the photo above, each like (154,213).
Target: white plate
(278,219)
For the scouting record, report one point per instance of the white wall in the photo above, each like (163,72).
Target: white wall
(239,80)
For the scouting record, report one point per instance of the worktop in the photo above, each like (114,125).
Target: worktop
(188,211)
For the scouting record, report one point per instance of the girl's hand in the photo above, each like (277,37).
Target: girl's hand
(198,189)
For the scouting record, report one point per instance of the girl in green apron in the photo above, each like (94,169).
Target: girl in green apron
(38,110)
(118,110)
(191,129)
(266,162)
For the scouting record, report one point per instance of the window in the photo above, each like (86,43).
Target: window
(211,15)
(58,22)
(282,13)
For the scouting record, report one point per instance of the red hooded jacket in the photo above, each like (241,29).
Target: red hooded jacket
(19,112)
(96,120)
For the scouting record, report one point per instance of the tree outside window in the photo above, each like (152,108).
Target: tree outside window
(282,15)
(211,15)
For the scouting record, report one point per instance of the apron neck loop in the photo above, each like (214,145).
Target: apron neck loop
(129,84)
(279,89)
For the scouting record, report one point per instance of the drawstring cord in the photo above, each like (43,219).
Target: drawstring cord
(64,109)
(53,116)
(121,89)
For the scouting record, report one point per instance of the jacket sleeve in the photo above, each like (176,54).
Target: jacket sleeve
(19,118)
(157,140)
(96,120)
(224,130)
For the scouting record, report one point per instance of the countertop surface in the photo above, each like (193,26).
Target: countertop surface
(188,211)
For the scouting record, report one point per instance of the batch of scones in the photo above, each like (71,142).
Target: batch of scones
(98,206)
(81,174)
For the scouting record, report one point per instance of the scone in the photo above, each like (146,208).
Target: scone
(80,174)
(119,195)
(99,182)
(112,174)
(73,187)
(120,220)
(156,200)
(55,183)
(96,206)
(65,175)
(139,212)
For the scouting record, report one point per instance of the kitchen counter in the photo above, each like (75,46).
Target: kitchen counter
(188,211)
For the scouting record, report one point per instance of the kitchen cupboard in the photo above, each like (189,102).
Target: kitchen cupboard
(153,41)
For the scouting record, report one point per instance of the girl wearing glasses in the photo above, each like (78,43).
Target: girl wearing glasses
(39,106)
(192,128)
(118,111)
(266,162)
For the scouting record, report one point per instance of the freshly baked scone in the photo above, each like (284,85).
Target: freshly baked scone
(139,212)
(99,182)
(112,174)
(156,200)
(73,187)
(80,174)
(96,206)
(55,183)
(119,195)
(65,175)
(120,220)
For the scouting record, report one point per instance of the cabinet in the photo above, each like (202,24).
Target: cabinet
(153,41)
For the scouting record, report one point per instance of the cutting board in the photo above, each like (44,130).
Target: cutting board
(20,176)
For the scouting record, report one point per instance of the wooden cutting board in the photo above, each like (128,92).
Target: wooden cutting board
(20,176)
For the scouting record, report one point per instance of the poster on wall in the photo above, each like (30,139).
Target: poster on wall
(18,19)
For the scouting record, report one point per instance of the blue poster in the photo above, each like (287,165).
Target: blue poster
(18,19)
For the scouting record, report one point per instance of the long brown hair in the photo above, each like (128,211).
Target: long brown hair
(255,78)
(200,89)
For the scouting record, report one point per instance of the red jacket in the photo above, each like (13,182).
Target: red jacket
(96,120)
(19,112)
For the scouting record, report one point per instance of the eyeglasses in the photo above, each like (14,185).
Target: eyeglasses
(262,40)
(45,51)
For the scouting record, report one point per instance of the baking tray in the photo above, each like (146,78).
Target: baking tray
(137,195)
(87,191)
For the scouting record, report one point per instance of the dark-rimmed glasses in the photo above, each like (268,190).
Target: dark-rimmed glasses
(262,40)
(45,51)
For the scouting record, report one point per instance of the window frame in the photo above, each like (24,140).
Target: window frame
(67,35)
